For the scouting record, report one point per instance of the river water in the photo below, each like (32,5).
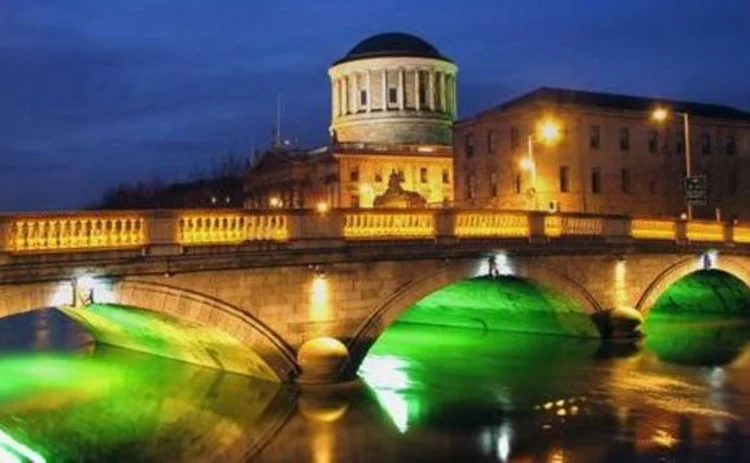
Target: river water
(426,393)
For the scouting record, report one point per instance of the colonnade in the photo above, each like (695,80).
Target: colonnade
(431,90)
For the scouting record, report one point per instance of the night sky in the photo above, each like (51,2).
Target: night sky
(95,92)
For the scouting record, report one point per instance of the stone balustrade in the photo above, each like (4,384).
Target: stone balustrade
(394,224)
(196,228)
(490,224)
(58,232)
(112,230)
(653,229)
(560,225)
(705,231)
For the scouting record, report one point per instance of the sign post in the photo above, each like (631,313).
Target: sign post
(696,190)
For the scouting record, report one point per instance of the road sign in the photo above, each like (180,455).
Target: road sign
(696,190)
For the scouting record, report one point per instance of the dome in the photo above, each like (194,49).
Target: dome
(392,44)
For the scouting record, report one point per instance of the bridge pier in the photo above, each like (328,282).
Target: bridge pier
(620,322)
(321,360)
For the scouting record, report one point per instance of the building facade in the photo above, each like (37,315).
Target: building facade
(393,103)
(610,155)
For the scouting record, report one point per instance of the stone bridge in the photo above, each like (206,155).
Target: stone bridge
(307,293)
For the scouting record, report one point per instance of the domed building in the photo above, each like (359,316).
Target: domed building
(394,89)
(393,103)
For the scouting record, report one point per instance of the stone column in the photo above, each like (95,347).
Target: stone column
(345,94)
(417,103)
(401,90)
(431,91)
(334,98)
(454,98)
(442,92)
(384,90)
(369,91)
(355,93)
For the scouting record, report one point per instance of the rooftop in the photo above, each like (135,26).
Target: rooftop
(392,44)
(562,96)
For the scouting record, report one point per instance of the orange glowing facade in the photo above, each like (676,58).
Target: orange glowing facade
(611,157)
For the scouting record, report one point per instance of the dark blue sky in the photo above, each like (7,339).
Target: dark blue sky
(94,92)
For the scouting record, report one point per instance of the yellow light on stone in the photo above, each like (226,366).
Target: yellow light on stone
(274,201)
(621,294)
(365,188)
(320,304)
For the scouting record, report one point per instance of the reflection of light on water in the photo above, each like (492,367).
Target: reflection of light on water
(7,457)
(556,456)
(497,441)
(503,442)
(664,438)
(385,375)
(396,406)
(384,372)
(716,378)
(11,451)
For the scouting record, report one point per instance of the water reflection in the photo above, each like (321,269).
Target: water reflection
(117,405)
(427,393)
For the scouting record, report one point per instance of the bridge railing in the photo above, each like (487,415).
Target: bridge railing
(177,229)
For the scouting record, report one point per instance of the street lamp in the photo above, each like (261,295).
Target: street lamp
(661,114)
(547,132)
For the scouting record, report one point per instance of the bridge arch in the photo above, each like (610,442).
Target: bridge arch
(447,274)
(176,303)
(684,267)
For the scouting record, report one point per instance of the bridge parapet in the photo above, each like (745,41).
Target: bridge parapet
(115,230)
(65,231)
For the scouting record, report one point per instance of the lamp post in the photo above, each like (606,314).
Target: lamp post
(660,115)
(547,132)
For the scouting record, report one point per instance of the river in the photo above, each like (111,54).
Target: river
(425,393)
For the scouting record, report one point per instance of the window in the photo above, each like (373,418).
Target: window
(595,137)
(652,187)
(491,141)
(624,139)
(393,95)
(731,145)
(732,182)
(517,184)
(446,177)
(469,145)
(596,180)
(564,179)
(680,145)
(469,186)
(653,141)
(705,144)
(625,181)
(354,175)
(378,176)
(355,201)
(363,98)
(423,175)
(514,137)
(493,185)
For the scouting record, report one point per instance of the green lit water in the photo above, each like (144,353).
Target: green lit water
(427,393)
